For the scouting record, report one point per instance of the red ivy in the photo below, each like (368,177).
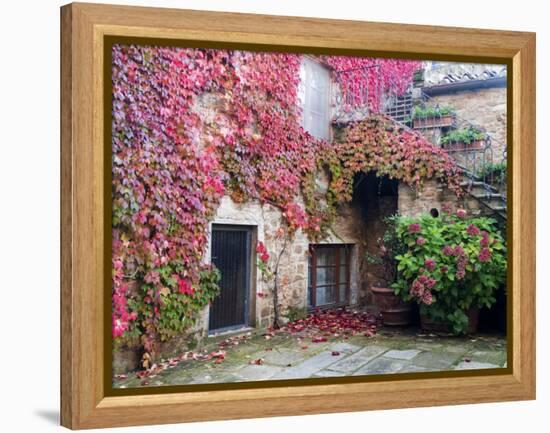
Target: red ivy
(379,144)
(172,163)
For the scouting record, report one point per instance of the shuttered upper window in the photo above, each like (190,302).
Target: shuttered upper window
(315,99)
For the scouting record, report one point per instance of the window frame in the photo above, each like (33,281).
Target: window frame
(312,275)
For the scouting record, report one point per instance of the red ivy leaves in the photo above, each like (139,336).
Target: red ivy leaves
(173,161)
(379,76)
(379,144)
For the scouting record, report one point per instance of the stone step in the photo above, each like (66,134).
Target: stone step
(492,202)
(500,209)
(478,188)
(490,196)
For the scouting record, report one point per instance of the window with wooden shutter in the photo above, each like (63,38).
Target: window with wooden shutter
(316,100)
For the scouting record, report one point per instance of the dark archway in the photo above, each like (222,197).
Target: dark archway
(377,199)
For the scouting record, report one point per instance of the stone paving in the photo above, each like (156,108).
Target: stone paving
(284,356)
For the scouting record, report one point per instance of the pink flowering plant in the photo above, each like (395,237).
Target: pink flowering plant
(451,264)
(262,261)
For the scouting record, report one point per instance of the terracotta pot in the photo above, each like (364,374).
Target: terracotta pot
(430,326)
(461,146)
(476,144)
(433,122)
(394,311)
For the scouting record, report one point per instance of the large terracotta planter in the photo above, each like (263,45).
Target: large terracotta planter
(460,146)
(434,122)
(430,326)
(393,310)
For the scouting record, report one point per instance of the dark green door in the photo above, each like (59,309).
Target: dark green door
(231,253)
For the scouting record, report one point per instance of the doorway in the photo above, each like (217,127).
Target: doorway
(231,253)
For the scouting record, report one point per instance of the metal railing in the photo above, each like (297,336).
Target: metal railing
(485,167)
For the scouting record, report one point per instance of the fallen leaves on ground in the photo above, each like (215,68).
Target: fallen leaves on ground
(341,322)
(218,356)
(317,327)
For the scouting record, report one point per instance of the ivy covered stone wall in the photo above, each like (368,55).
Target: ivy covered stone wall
(201,136)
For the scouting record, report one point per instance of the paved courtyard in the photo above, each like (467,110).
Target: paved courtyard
(253,357)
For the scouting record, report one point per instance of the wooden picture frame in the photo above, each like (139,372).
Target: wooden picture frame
(85,400)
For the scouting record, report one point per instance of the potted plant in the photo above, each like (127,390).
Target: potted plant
(464,139)
(493,173)
(394,310)
(433,117)
(452,266)
(418,78)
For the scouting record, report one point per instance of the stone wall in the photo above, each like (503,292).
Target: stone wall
(433,194)
(293,268)
(292,271)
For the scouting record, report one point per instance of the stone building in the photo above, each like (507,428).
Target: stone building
(334,271)
(329,273)
(477,95)
(476,92)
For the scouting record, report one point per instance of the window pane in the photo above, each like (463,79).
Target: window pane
(343,255)
(325,256)
(326,276)
(343,289)
(316,84)
(318,100)
(326,295)
(330,275)
(343,274)
(318,127)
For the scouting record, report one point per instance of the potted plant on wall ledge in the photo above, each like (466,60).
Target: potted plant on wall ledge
(433,117)
(452,266)
(394,310)
(464,139)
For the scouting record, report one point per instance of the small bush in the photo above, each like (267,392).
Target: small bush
(466,136)
(421,112)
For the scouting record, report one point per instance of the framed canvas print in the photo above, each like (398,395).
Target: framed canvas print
(270,216)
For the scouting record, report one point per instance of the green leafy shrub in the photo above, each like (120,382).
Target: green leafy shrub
(467,136)
(295,313)
(493,172)
(451,263)
(179,305)
(424,112)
